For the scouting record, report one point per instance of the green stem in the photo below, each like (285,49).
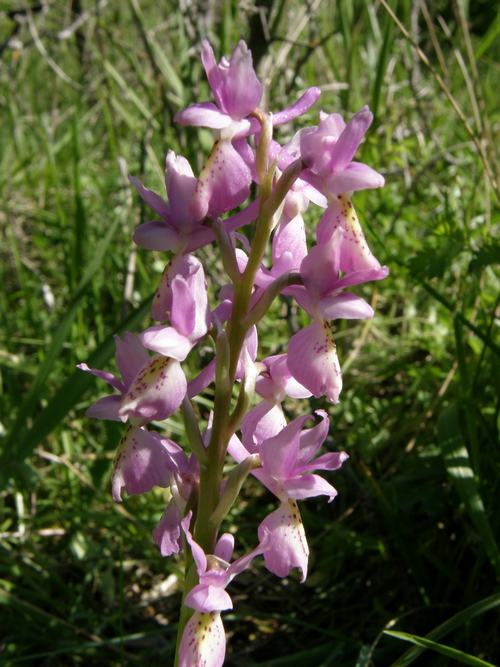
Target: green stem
(233,486)
(270,293)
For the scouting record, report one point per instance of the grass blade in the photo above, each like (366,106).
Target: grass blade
(451,624)
(381,67)
(129,93)
(448,651)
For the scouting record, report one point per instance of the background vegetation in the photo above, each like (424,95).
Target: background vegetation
(87,94)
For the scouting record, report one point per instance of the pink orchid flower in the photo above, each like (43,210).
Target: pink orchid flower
(190,200)
(288,463)
(312,356)
(151,388)
(144,459)
(328,150)
(267,419)
(226,177)
(237,93)
(203,642)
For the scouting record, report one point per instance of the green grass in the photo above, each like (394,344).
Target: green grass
(411,545)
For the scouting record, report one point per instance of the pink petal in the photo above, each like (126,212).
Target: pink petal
(313,361)
(208,598)
(360,277)
(105,408)
(279,453)
(167,534)
(312,193)
(240,453)
(289,246)
(320,269)
(156,392)
(222,312)
(156,236)
(249,346)
(215,73)
(328,461)
(203,642)
(355,176)
(308,486)
(288,545)
(151,198)
(311,439)
(349,140)
(241,259)
(277,382)
(202,380)
(141,462)
(263,421)
(130,356)
(294,389)
(183,312)
(225,547)
(103,375)
(182,295)
(190,301)
(166,341)
(244,217)
(285,116)
(318,143)
(345,306)
(298,108)
(180,183)
(247,155)
(242,91)
(197,237)
(203,114)
(199,556)
(243,563)
(224,182)
(355,254)
(237,450)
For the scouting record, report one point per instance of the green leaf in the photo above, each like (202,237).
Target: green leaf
(432,261)
(448,651)
(488,254)
(451,624)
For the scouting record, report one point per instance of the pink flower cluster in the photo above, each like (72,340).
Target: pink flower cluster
(317,167)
